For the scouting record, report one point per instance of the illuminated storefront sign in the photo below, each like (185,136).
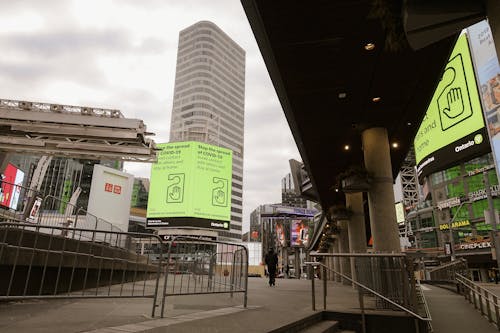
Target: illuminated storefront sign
(456,224)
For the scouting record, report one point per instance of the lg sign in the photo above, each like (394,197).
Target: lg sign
(116,189)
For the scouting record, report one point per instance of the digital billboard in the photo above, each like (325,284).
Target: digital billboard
(190,186)
(280,233)
(488,75)
(400,213)
(453,127)
(10,189)
(299,233)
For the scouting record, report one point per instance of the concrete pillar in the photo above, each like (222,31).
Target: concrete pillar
(383,224)
(336,261)
(345,263)
(357,230)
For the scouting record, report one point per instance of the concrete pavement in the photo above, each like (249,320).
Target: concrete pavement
(268,308)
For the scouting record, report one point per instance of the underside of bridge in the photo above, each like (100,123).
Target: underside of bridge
(341,67)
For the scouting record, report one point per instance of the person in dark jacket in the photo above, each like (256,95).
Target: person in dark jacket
(272,265)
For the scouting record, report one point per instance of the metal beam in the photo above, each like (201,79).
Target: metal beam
(73,131)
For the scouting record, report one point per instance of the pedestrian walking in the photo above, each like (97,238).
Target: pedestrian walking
(272,265)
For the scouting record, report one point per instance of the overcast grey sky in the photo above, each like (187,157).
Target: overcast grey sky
(122,54)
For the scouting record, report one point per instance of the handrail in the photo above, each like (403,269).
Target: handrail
(375,254)
(475,289)
(426,307)
(313,263)
(446,265)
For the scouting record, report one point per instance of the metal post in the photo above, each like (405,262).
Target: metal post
(491,211)
(450,229)
(313,291)
(362,307)
(323,277)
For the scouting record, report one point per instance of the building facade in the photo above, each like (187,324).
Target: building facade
(289,195)
(208,103)
(457,198)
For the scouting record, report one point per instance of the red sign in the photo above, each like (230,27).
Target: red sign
(117,189)
(108,187)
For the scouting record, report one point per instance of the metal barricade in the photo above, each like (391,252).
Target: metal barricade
(63,262)
(14,201)
(196,266)
(56,212)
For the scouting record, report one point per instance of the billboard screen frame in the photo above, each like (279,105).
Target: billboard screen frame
(446,136)
(193,166)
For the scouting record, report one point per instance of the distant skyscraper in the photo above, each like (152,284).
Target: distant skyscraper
(208,103)
(290,197)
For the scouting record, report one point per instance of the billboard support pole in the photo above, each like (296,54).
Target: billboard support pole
(450,229)
(491,213)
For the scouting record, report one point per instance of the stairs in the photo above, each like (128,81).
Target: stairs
(325,326)
(315,323)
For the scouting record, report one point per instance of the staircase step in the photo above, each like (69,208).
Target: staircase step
(324,326)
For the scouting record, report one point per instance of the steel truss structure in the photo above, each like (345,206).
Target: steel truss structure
(73,131)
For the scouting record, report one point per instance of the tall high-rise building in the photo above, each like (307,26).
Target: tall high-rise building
(208,104)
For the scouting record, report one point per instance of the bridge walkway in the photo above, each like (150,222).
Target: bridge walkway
(451,313)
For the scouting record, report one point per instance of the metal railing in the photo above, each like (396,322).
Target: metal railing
(446,273)
(13,200)
(48,210)
(484,300)
(56,212)
(422,301)
(36,264)
(196,266)
(379,272)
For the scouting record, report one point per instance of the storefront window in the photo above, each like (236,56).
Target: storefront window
(427,222)
(475,182)
(456,189)
(428,239)
(459,214)
(478,208)
(452,173)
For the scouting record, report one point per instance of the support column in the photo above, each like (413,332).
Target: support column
(357,230)
(377,158)
(345,264)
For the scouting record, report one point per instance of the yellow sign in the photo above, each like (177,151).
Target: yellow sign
(456,224)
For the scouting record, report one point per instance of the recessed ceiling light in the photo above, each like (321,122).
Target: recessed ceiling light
(408,123)
(342,95)
(376,99)
(395,145)
(369,46)
(347,147)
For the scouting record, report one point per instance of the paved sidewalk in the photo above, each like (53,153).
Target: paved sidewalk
(268,308)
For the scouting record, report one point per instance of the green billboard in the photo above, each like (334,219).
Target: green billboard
(453,127)
(190,186)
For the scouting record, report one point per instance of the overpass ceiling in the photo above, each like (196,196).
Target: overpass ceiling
(315,52)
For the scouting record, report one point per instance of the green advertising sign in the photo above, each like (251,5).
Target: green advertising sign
(191,179)
(453,127)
